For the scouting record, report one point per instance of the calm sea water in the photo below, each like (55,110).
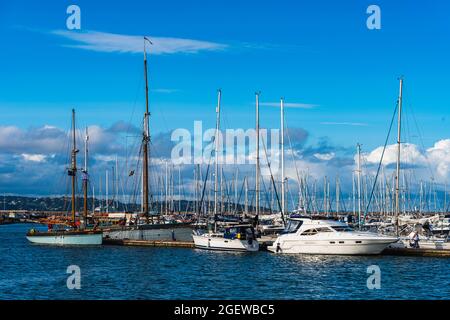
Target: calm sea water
(29,271)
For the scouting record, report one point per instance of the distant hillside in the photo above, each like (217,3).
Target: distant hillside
(64,204)
(49,203)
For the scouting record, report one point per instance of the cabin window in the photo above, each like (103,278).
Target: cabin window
(342,228)
(293,226)
(309,232)
(323,230)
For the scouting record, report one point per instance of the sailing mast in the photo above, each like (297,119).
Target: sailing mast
(257,157)
(216,153)
(73,169)
(358,146)
(283,206)
(397,175)
(85,178)
(145,141)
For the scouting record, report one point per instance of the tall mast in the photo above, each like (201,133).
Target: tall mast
(337,195)
(107,191)
(73,169)
(397,175)
(358,147)
(216,151)
(85,178)
(257,157)
(116,183)
(145,141)
(246,196)
(283,206)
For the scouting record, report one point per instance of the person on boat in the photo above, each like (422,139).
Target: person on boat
(249,235)
(415,240)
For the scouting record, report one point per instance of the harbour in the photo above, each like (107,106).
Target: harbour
(209,151)
(116,272)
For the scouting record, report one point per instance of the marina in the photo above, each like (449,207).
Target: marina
(225,155)
(181,273)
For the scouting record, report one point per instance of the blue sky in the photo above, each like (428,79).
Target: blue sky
(316,53)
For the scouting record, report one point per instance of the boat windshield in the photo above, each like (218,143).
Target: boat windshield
(342,228)
(293,226)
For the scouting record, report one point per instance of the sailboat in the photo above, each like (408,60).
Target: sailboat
(147,225)
(70,233)
(234,237)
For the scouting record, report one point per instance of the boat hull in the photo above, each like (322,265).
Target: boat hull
(152,232)
(67,238)
(423,244)
(307,247)
(222,244)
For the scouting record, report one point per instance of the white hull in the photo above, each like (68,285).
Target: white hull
(209,242)
(81,239)
(423,244)
(368,247)
(322,236)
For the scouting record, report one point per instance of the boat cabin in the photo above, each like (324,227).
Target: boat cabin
(308,226)
(241,232)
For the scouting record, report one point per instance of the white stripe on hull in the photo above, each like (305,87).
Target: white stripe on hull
(83,239)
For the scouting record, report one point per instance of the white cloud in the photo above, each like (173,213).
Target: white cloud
(439,154)
(434,160)
(165,90)
(325,156)
(355,124)
(410,154)
(34,157)
(112,42)
(294,105)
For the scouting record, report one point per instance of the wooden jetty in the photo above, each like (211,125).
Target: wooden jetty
(417,252)
(264,242)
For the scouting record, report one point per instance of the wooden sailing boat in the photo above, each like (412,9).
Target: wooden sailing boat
(146,226)
(71,234)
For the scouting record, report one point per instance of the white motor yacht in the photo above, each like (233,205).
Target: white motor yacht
(234,238)
(319,236)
